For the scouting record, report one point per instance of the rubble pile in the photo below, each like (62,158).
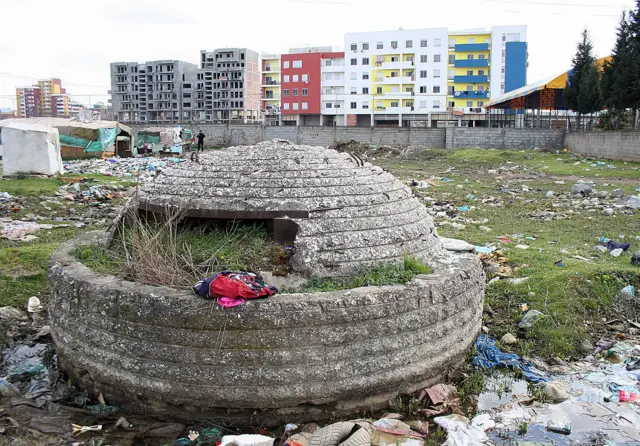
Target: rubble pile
(121,167)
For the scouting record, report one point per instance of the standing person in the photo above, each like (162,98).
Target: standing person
(200,141)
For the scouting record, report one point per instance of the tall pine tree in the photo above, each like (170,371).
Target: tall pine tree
(634,60)
(618,75)
(582,93)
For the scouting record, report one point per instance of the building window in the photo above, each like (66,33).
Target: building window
(285,64)
(480,87)
(285,92)
(437,58)
(287,78)
(424,58)
(423,73)
(423,104)
(469,72)
(436,89)
(354,90)
(354,105)
(305,78)
(480,103)
(452,59)
(480,72)
(365,76)
(365,90)
(452,44)
(471,40)
(379,105)
(295,78)
(469,104)
(408,104)
(365,46)
(469,56)
(295,105)
(354,61)
(297,64)
(409,43)
(365,105)
(354,76)
(481,56)
(328,105)
(354,47)
(394,44)
(327,76)
(436,104)
(408,89)
(423,89)
(305,106)
(294,92)
(503,54)
(365,61)
(394,104)
(436,73)
(380,45)
(286,106)
(305,92)
(423,43)
(379,90)
(469,87)
(437,42)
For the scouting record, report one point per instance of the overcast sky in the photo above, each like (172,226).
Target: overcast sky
(76,40)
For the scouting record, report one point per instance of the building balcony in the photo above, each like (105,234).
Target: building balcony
(392,110)
(463,63)
(471,94)
(395,94)
(270,84)
(333,83)
(395,80)
(271,70)
(333,69)
(395,65)
(471,79)
(471,47)
(270,98)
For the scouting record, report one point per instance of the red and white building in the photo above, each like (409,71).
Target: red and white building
(303,86)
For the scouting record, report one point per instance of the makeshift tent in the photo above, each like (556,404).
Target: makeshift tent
(163,139)
(78,138)
(31,149)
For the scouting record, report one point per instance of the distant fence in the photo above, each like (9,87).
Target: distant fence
(623,146)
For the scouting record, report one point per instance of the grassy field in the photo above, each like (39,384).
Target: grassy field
(574,297)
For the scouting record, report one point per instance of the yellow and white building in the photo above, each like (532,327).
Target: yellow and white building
(415,77)
(270,89)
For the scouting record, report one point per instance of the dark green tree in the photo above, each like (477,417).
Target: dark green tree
(634,60)
(582,93)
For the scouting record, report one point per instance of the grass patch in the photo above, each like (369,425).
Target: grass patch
(27,186)
(575,297)
(177,255)
(372,275)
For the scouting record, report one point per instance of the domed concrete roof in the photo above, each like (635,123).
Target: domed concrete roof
(348,212)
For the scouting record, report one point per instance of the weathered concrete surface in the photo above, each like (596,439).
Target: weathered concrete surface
(353,213)
(289,357)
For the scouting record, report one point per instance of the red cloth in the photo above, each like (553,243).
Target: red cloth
(234,285)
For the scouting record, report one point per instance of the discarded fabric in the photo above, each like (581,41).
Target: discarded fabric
(228,302)
(246,440)
(489,356)
(234,284)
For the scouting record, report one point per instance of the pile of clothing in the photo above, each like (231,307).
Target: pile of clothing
(231,288)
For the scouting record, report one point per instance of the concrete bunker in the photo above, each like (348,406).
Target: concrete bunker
(302,356)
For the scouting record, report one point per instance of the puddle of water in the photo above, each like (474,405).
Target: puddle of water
(536,435)
(501,390)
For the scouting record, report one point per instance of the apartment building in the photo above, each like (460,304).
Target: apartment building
(28,102)
(160,91)
(422,77)
(270,85)
(485,64)
(49,87)
(231,85)
(60,105)
(302,84)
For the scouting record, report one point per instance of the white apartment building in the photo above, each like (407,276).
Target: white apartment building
(395,76)
(332,98)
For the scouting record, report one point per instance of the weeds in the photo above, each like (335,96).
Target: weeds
(409,408)
(372,275)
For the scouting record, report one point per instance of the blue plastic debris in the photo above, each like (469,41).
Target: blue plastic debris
(489,356)
(484,250)
(463,208)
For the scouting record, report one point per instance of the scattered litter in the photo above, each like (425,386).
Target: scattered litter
(451,244)
(549,194)
(484,249)
(616,252)
(635,259)
(34,305)
(5,197)
(77,429)
(463,208)
(484,228)
(461,431)
(247,440)
(505,240)
(530,318)
(508,339)
(489,356)
(522,246)
(556,391)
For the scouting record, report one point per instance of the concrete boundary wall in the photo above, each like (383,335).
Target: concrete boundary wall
(622,146)
(437,138)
